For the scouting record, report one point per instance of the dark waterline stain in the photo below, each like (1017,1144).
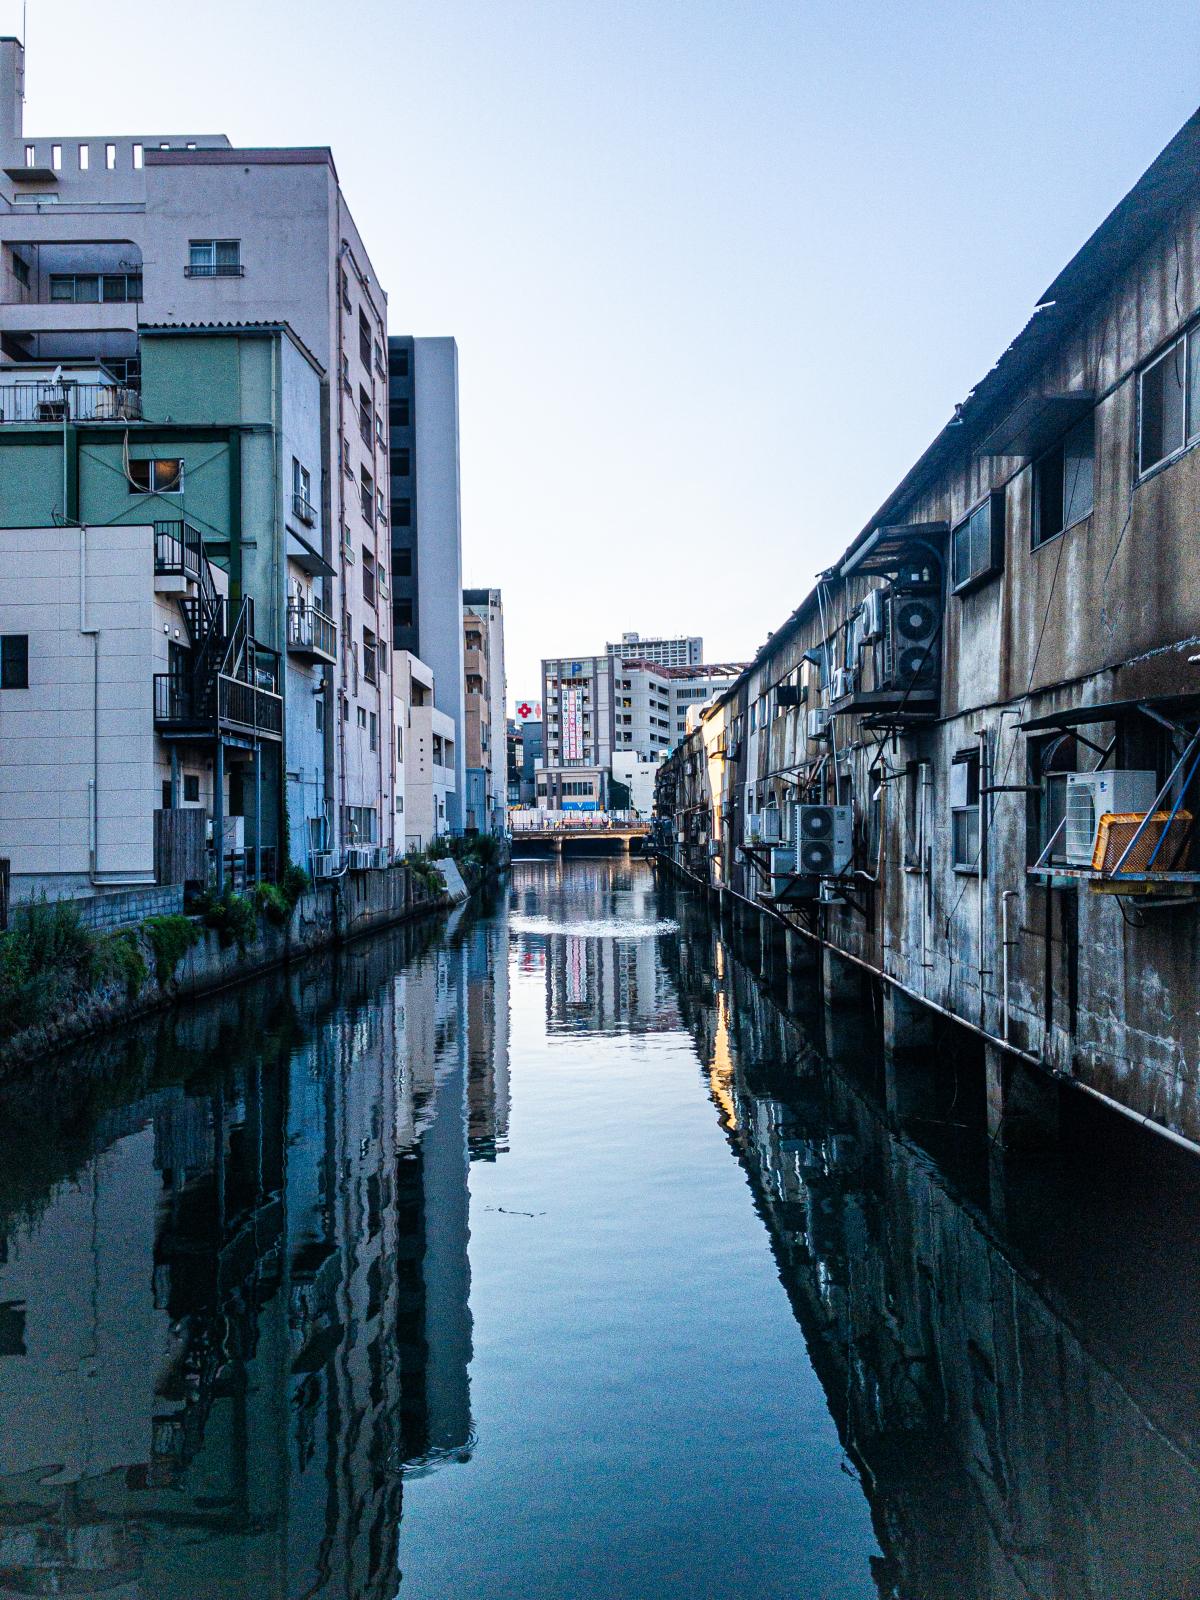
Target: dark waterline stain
(549,1253)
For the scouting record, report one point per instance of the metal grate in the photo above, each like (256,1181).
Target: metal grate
(1117,829)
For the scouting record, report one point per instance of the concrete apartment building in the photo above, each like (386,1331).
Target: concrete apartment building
(967,761)
(619,714)
(234,705)
(426,525)
(486,694)
(425,755)
(105,237)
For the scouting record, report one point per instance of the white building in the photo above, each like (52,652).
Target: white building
(681,651)
(84,627)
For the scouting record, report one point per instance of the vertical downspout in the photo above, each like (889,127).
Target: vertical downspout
(981,881)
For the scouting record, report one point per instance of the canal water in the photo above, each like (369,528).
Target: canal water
(563,1251)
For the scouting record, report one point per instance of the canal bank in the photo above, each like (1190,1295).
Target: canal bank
(163,961)
(562,1247)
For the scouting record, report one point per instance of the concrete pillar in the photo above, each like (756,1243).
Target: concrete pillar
(909,1063)
(841,980)
(1022,1103)
(219,813)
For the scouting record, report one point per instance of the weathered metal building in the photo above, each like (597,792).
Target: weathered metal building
(1005,660)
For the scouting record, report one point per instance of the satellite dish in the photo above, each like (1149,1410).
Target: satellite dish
(57,375)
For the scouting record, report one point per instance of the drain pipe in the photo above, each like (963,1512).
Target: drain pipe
(1006,896)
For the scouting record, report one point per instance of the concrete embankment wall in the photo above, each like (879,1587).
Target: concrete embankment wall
(329,914)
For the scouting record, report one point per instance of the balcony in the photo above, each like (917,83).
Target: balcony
(242,708)
(219,269)
(178,554)
(303,509)
(311,635)
(68,402)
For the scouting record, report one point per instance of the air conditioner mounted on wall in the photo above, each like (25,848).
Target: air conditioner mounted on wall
(871,616)
(844,683)
(824,839)
(818,722)
(1092,795)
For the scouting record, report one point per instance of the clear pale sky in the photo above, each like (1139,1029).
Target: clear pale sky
(717,272)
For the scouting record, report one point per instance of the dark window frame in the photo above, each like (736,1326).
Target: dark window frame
(1042,465)
(994,504)
(14,661)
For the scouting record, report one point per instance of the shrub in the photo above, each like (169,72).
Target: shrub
(231,916)
(45,958)
(170,938)
(440,848)
(425,873)
(486,849)
(270,900)
(294,883)
(119,956)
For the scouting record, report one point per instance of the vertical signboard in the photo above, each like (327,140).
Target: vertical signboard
(572,724)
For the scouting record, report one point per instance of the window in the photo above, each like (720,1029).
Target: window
(402,613)
(110,157)
(402,562)
(14,661)
(1048,760)
(398,413)
(369,664)
(978,543)
(398,362)
(399,746)
(31,155)
(344,364)
(402,513)
(164,475)
(374,731)
(85,156)
(368,577)
(366,490)
(362,716)
(56,157)
(365,426)
(401,462)
(964,810)
(138,160)
(166,794)
(1062,482)
(302,506)
(191,787)
(319,709)
(915,776)
(364,339)
(380,506)
(214,258)
(1169,402)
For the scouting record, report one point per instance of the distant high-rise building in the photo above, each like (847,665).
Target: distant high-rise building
(678,652)
(486,695)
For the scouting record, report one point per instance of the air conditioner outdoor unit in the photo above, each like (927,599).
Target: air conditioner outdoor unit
(358,858)
(843,684)
(1092,795)
(912,622)
(783,861)
(818,722)
(381,856)
(824,839)
(871,614)
(770,829)
(324,864)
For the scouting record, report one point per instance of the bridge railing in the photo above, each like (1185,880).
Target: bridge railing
(538,820)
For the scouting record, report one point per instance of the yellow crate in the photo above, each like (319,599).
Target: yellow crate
(1116,829)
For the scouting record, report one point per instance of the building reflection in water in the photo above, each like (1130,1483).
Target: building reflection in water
(1010,1356)
(234,1310)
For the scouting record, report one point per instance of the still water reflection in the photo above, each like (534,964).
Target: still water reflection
(549,1253)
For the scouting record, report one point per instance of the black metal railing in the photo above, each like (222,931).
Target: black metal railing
(308,628)
(218,269)
(244,706)
(179,551)
(68,402)
(303,509)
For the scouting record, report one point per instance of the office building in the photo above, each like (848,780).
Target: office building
(683,651)
(486,753)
